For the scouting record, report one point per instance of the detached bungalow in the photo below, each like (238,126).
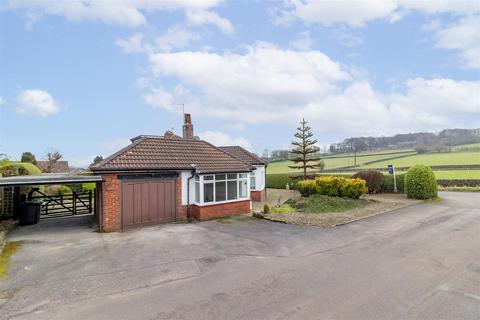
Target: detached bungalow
(159,179)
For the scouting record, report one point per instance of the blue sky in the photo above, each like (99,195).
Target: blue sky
(84,77)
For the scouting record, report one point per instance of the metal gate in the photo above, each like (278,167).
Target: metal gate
(148,201)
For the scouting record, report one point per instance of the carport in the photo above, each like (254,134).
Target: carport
(63,205)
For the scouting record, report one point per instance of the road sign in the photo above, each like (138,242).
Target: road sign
(391,169)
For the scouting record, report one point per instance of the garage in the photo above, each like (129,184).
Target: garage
(148,201)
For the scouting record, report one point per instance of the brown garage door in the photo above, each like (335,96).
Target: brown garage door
(148,202)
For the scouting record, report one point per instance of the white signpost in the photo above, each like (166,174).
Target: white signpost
(391,170)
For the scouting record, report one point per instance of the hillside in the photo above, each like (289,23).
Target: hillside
(457,164)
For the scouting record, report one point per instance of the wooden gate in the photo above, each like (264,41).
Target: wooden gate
(65,204)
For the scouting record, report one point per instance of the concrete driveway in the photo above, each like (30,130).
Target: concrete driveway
(420,262)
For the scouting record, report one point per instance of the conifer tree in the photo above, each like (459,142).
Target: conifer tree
(304,149)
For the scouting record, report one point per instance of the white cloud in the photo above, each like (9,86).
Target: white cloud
(264,72)
(36,102)
(303,42)
(2,101)
(128,13)
(267,84)
(176,37)
(133,44)
(358,13)
(201,17)
(222,139)
(463,36)
(352,13)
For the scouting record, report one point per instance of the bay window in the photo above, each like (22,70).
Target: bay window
(221,187)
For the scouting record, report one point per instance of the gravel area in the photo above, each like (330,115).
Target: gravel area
(375,204)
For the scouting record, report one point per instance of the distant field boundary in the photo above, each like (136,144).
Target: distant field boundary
(458,182)
(434,168)
(411,152)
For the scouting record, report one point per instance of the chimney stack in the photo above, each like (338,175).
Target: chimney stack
(187,126)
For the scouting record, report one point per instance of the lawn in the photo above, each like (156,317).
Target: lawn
(432,159)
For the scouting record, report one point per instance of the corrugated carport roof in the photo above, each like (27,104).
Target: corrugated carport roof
(47,179)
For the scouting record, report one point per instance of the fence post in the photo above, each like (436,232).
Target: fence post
(74,200)
(90,201)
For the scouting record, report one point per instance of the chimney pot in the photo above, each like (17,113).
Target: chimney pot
(168,134)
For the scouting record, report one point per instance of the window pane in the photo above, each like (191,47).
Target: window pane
(220,191)
(197,192)
(242,186)
(232,176)
(207,177)
(242,175)
(208,192)
(252,182)
(219,177)
(197,178)
(232,190)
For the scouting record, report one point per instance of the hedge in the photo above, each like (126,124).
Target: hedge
(373,178)
(387,185)
(459,182)
(280,180)
(333,186)
(420,183)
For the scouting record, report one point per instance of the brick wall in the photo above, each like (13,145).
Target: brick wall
(111,203)
(258,196)
(221,210)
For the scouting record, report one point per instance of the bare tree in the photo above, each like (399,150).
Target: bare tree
(52,158)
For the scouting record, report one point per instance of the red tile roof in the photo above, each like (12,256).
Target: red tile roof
(157,153)
(60,166)
(243,154)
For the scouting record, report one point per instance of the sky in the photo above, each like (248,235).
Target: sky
(83,77)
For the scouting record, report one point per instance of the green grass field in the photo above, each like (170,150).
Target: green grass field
(331,163)
(459,157)
(432,159)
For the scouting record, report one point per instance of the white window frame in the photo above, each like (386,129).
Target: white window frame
(212,179)
(254,177)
